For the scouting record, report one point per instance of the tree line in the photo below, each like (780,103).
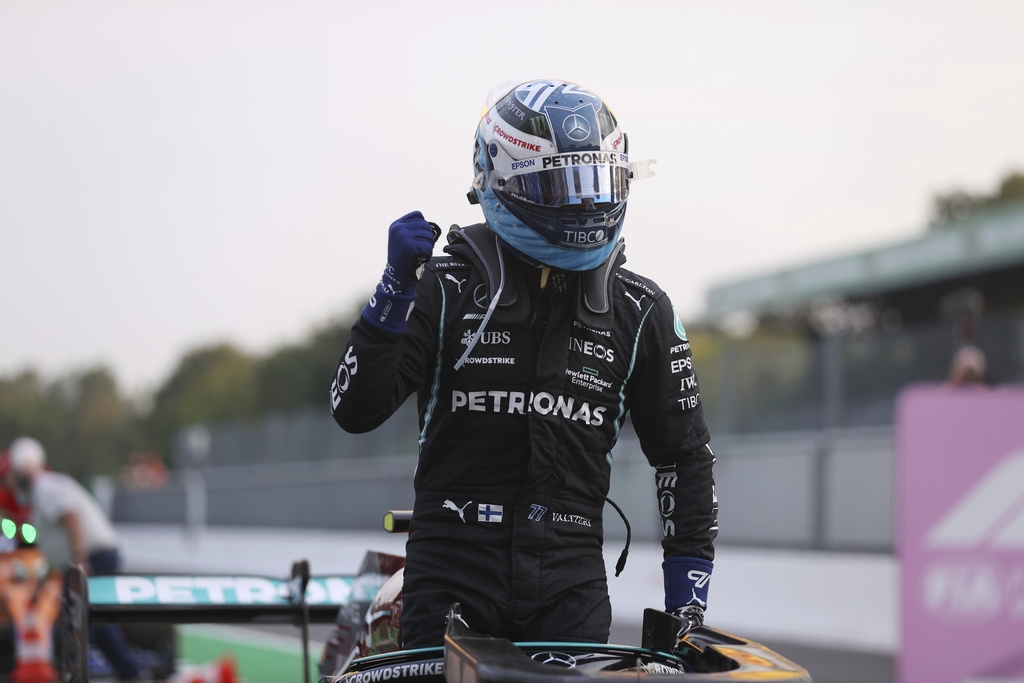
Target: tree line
(89,425)
(955,205)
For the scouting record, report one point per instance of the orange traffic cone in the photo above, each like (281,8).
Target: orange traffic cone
(34,649)
(221,671)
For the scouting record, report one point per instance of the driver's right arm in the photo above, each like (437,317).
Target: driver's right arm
(379,370)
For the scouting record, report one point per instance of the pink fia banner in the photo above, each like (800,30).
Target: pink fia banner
(961,535)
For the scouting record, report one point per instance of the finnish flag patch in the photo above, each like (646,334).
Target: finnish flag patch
(487,512)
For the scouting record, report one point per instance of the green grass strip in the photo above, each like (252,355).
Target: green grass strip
(260,657)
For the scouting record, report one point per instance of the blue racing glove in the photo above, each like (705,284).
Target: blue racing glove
(686,589)
(410,243)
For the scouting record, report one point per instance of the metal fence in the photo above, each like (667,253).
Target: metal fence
(817,490)
(787,382)
(802,429)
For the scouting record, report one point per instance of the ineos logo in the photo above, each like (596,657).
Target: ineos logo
(667,503)
(347,368)
(599,351)
(556,658)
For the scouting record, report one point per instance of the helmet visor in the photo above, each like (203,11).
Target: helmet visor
(568,186)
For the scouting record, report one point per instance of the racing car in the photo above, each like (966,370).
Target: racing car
(365,645)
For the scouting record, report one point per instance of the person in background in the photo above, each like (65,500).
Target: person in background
(528,344)
(72,528)
(10,507)
(968,367)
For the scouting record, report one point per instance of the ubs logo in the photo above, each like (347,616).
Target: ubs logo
(487,338)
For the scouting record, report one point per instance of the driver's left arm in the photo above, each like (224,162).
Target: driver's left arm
(668,417)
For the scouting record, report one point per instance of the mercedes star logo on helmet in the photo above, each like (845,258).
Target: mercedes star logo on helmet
(556,658)
(576,127)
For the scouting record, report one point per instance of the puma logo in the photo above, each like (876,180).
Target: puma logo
(458,283)
(636,301)
(449,505)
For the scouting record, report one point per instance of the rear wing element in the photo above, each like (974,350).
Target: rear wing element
(219,599)
(226,599)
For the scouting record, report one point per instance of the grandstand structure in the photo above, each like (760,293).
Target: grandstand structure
(918,279)
(838,339)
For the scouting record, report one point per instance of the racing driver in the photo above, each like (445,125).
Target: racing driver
(528,345)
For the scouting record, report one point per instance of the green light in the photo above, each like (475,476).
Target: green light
(28,532)
(9,528)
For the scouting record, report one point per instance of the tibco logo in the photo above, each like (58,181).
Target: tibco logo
(585,236)
(518,402)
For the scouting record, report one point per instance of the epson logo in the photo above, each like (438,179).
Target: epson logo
(518,402)
(589,348)
(526,163)
(681,365)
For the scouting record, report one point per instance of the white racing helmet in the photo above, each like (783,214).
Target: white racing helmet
(552,173)
(27,455)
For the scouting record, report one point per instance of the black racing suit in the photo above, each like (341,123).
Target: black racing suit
(515,446)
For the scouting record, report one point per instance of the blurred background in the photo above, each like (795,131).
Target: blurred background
(194,201)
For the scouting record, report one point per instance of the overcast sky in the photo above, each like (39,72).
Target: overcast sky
(178,173)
